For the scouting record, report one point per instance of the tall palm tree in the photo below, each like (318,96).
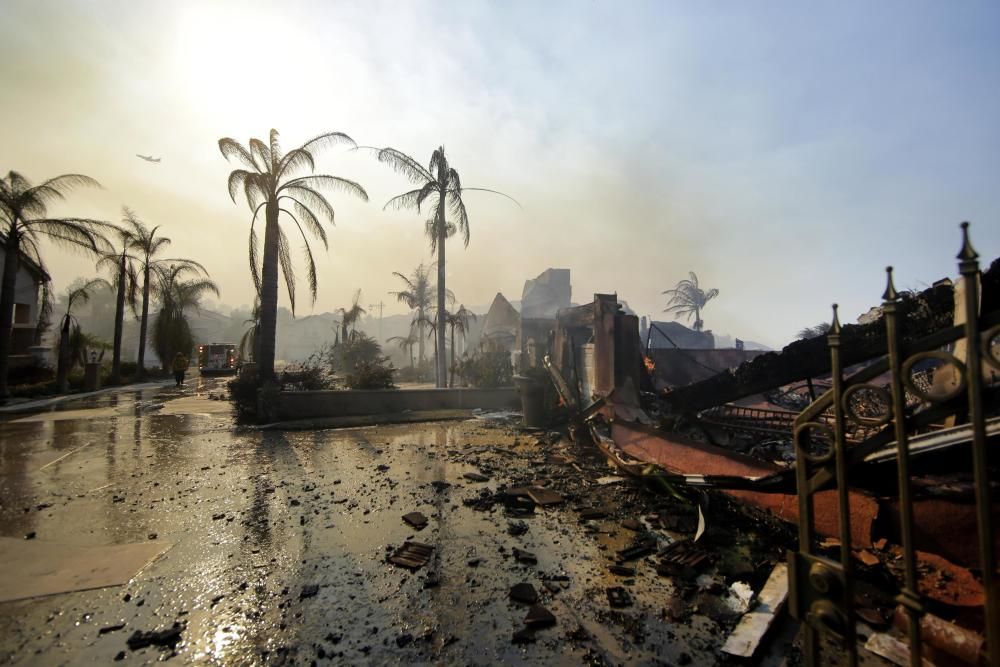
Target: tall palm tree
(460,320)
(406,343)
(145,245)
(266,180)
(686,298)
(69,329)
(440,186)
(24,222)
(418,295)
(349,316)
(172,331)
(124,280)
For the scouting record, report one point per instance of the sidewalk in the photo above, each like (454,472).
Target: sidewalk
(16,405)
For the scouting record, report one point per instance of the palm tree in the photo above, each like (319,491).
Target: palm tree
(24,222)
(145,244)
(44,312)
(124,280)
(248,341)
(439,184)
(686,298)
(266,182)
(430,321)
(172,331)
(406,343)
(349,316)
(460,320)
(69,330)
(417,296)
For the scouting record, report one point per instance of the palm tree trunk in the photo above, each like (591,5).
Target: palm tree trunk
(140,370)
(116,361)
(269,294)
(7,306)
(451,382)
(411,356)
(62,362)
(420,334)
(442,372)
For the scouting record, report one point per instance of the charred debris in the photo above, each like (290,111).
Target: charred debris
(728,435)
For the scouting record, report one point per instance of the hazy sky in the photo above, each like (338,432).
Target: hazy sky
(786,152)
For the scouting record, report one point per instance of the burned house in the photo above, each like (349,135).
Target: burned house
(681,356)
(890,467)
(500,327)
(596,348)
(27,306)
(541,300)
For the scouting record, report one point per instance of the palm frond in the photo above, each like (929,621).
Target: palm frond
(296,158)
(439,165)
(261,154)
(331,182)
(158,244)
(309,197)
(496,192)
(310,263)
(82,294)
(327,139)
(238,179)
(403,201)
(431,187)
(60,185)
(275,147)
(230,148)
(454,181)
(458,212)
(405,165)
(182,265)
(311,273)
(79,233)
(287,270)
(310,220)
(254,259)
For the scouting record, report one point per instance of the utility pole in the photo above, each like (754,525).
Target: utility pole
(380,306)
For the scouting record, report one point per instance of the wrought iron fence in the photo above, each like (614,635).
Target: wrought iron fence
(822,589)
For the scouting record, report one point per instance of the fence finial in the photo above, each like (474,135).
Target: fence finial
(890,293)
(835,325)
(967,253)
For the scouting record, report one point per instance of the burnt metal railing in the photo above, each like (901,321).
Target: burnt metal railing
(766,421)
(821,589)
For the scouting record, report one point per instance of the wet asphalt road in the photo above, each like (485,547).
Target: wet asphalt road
(277,543)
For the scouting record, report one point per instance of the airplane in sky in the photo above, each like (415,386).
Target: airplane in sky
(147,158)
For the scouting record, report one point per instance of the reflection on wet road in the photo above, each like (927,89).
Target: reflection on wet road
(278,543)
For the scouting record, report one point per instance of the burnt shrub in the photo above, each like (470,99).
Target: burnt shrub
(371,374)
(360,361)
(243,393)
(488,370)
(309,375)
(32,374)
